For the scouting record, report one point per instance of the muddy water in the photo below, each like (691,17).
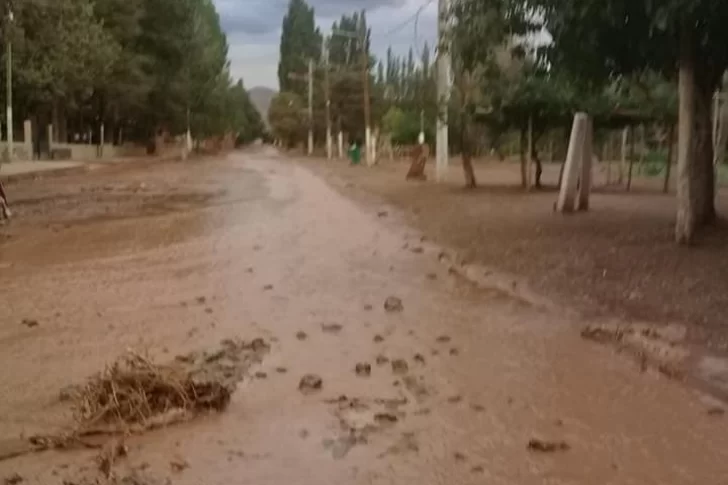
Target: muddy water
(281,253)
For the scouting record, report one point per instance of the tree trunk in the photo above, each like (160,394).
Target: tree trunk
(631,157)
(467,154)
(686,190)
(702,148)
(539,167)
(668,164)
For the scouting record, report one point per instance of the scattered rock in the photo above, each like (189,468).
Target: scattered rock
(267,287)
(382,360)
(303,434)
(30,323)
(178,464)
(310,384)
(261,375)
(399,366)
(417,250)
(454,399)
(385,419)
(382,214)
(393,305)
(363,369)
(420,359)
(542,446)
(443,339)
(716,411)
(477,469)
(431,276)
(249,270)
(257,247)
(378,339)
(201,300)
(368,307)
(423,412)
(300,335)
(334,328)
(477,408)
(208,310)
(459,456)
(258,345)
(13,479)
(281,370)
(454,351)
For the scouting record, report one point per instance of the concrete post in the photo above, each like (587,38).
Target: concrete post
(586,166)
(570,177)
(28,138)
(50,141)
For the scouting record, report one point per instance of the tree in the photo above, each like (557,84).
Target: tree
(300,41)
(628,36)
(287,118)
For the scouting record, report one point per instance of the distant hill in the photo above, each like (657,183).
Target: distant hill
(261,97)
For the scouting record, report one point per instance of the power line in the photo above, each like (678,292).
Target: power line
(409,20)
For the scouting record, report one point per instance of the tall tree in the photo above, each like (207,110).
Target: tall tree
(300,41)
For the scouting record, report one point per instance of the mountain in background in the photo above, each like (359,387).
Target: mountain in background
(261,97)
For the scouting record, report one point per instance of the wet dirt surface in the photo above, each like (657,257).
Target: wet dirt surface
(487,388)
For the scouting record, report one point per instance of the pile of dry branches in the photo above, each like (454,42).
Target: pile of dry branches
(135,391)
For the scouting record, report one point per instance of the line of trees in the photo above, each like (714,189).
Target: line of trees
(137,66)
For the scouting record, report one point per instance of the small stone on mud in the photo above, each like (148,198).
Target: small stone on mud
(431,276)
(417,250)
(178,465)
(393,305)
(208,310)
(477,408)
(443,339)
(378,339)
(267,287)
(420,359)
(399,366)
(301,335)
(454,351)
(201,300)
(716,411)
(331,328)
(368,307)
(261,375)
(303,434)
(382,360)
(310,383)
(382,214)
(281,370)
(13,479)
(257,247)
(363,369)
(477,469)
(459,456)
(30,323)
(454,399)
(385,419)
(542,446)
(249,270)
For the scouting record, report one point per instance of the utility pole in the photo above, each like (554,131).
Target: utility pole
(365,79)
(9,85)
(443,88)
(327,89)
(310,107)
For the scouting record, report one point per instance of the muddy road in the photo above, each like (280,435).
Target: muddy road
(424,378)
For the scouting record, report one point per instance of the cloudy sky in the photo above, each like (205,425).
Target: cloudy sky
(254,28)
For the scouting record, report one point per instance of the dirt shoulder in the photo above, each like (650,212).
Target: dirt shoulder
(617,260)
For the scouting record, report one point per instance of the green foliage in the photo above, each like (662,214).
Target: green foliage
(300,41)
(403,126)
(287,118)
(136,65)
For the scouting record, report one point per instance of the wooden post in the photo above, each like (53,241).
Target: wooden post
(668,163)
(623,161)
(529,167)
(570,177)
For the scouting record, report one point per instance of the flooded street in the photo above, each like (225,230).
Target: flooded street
(459,385)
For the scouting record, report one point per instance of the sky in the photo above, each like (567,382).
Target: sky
(253,28)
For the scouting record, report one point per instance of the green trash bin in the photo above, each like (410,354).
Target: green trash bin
(355,154)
